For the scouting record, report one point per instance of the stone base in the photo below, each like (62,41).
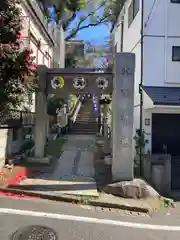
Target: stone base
(2,162)
(136,189)
(45,160)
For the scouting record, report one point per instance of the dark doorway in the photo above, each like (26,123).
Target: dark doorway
(166,139)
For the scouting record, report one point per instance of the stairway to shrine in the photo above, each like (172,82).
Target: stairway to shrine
(86,119)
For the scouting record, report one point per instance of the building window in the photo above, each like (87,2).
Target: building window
(175,1)
(14,134)
(176,53)
(130,14)
(132,11)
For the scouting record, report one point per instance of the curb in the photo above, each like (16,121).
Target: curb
(77,200)
(96,203)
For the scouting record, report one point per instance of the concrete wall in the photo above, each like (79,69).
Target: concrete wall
(3,145)
(155,167)
(8,144)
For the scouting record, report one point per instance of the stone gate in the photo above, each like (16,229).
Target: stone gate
(119,83)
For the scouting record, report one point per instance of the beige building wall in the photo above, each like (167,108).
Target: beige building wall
(45,40)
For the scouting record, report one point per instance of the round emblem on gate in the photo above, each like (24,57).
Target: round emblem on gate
(57,82)
(79,83)
(102,83)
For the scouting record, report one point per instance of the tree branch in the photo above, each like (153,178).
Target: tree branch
(65,25)
(75,31)
(79,26)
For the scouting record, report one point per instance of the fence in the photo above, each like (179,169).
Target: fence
(16,118)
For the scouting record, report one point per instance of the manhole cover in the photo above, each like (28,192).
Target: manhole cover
(35,233)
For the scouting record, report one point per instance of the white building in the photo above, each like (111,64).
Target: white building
(160,67)
(45,40)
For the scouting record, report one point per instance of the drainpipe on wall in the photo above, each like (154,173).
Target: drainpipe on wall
(165,40)
(122,33)
(141,83)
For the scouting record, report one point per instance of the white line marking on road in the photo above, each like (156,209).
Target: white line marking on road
(89,220)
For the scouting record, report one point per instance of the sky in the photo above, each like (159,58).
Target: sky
(97,34)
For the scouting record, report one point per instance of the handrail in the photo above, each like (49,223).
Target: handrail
(71,113)
(73,118)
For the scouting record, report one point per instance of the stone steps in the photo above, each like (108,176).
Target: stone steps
(86,120)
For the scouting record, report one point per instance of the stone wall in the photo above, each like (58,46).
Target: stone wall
(14,144)
(10,142)
(3,145)
(157,171)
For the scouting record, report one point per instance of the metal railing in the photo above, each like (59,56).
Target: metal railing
(73,113)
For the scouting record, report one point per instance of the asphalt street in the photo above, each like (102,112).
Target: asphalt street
(76,222)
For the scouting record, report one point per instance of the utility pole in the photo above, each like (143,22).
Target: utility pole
(141,83)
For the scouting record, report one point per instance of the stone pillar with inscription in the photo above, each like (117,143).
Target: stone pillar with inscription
(41,114)
(123,111)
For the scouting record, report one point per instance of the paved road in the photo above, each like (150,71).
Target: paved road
(72,222)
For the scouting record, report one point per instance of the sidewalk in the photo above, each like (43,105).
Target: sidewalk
(73,174)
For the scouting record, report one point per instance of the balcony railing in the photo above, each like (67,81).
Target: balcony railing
(15,118)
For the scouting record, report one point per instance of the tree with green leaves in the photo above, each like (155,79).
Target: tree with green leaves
(54,104)
(17,70)
(112,9)
(82,13)
(71,61)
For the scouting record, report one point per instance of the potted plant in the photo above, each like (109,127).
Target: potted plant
(140,143)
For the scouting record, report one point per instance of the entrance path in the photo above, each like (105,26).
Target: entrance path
(74,172)
(77,158)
